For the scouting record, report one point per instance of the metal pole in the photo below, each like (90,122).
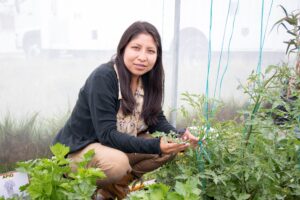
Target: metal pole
(175,62)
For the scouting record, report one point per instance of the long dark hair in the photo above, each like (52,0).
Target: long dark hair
(153,81)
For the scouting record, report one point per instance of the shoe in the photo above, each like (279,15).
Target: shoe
(101,194)
(121,188)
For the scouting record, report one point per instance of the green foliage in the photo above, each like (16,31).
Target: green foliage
(170,137)
(53,178)
(197,104)
(291,23)
(255,159)
(182,191)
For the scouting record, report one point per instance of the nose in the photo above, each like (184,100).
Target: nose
(142,56)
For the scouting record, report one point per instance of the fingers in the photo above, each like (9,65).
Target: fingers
(194,144)
(190,137)
(173,147)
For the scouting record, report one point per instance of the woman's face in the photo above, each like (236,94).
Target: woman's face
(140,55)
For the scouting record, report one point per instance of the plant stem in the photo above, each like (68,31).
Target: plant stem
(256,107)
(249,130)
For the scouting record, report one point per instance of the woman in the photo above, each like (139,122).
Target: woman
(117,108)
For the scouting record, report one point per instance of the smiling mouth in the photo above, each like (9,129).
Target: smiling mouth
(140,65)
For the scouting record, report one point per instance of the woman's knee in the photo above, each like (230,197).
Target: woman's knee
(120,167)
(114,163)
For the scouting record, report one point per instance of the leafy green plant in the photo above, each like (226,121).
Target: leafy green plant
(182,191)
(252,159)
(53,178)
(264,163)
(171,137)
(291,23)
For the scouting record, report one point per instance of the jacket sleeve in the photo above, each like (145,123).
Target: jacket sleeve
(164,126)
(102,97)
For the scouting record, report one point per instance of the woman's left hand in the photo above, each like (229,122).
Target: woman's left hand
(188,136)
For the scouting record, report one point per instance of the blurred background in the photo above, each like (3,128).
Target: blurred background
(49,47)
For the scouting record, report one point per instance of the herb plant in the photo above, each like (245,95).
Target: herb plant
(159,191)
(53,178)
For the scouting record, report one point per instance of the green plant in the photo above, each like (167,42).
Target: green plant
(253,159)
(170,137)
(264,161)
(291,23)
(182,191)
(53,178)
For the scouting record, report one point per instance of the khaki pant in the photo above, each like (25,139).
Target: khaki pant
(117,164)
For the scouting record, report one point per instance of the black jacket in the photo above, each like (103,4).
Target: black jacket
(93,118)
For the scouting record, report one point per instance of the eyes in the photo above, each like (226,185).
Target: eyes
(140,48)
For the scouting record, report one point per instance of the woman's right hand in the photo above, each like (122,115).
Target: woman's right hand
(172,147)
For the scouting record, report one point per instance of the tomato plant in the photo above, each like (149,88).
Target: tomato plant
(250,158)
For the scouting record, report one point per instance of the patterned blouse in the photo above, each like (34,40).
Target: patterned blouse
(132,124)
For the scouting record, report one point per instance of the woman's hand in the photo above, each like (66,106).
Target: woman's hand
(187,136)
(172,147)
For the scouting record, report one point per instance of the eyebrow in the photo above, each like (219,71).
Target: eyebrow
(149,47)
